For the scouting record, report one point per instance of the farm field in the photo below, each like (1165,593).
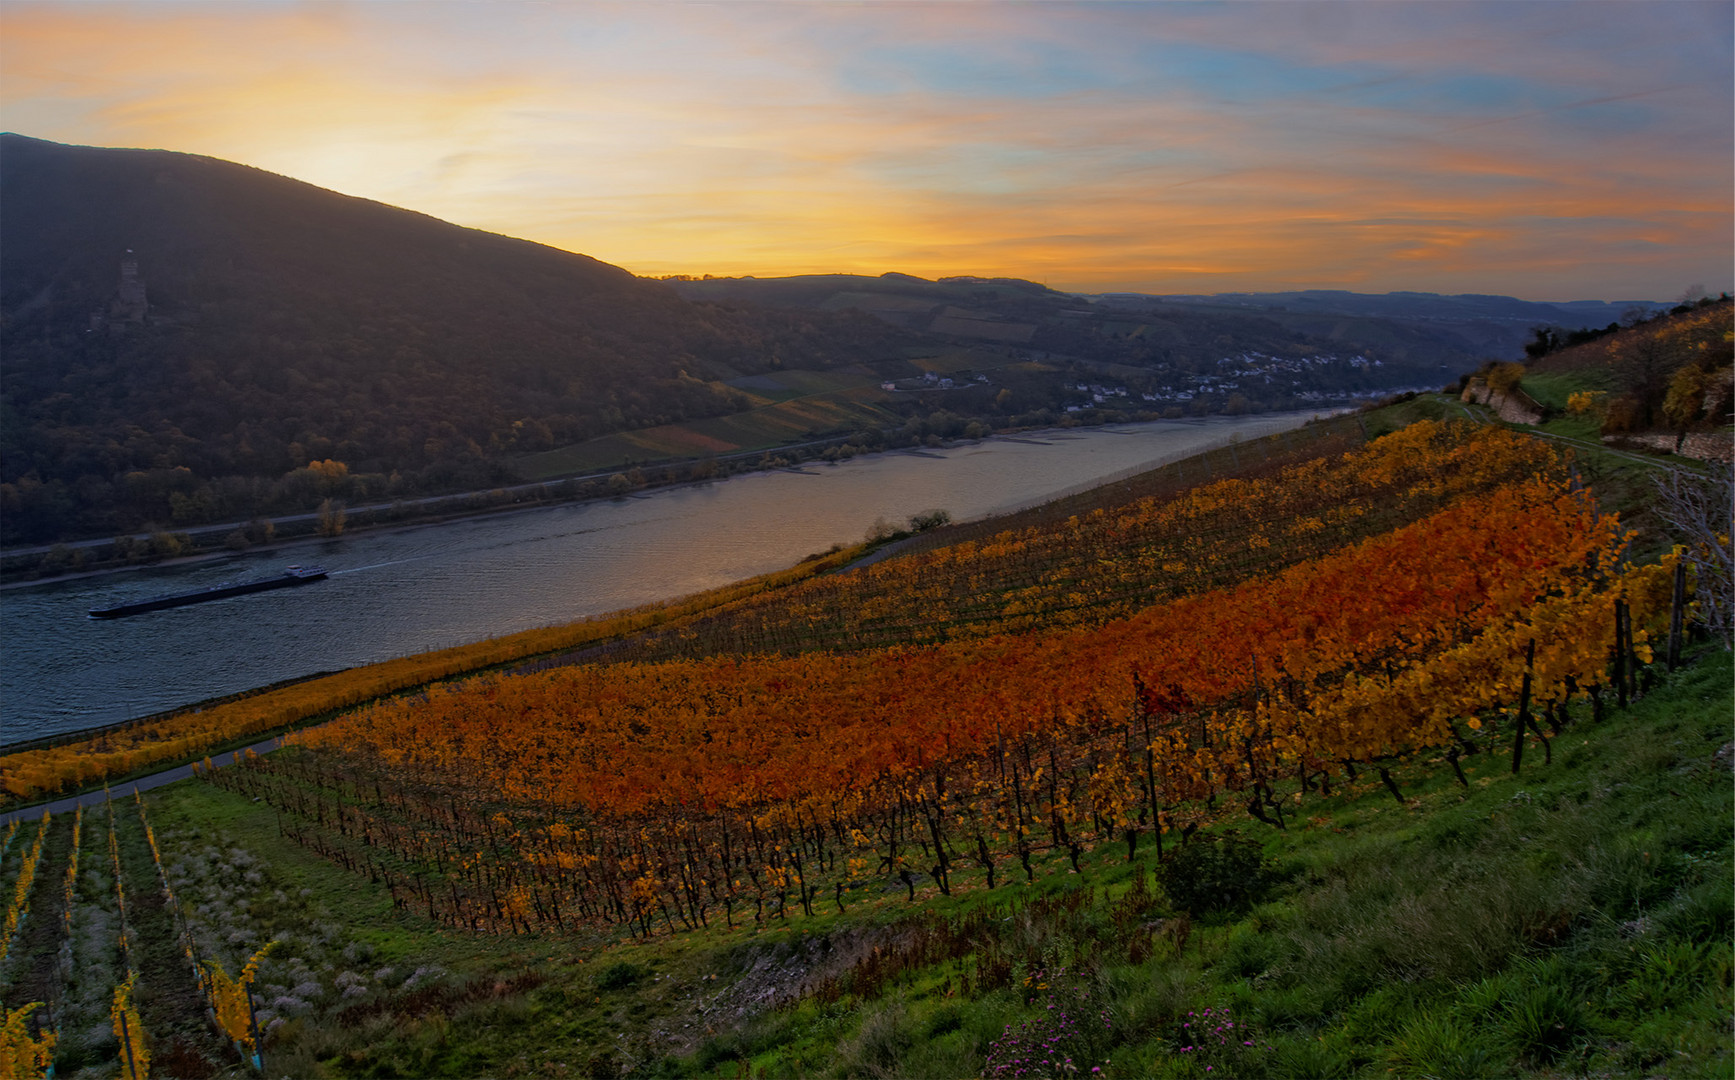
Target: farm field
(1388,758)
(782,417)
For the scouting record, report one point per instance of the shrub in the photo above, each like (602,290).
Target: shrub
(1217,875)
(1214,1038)
(619,976)
(1504,378)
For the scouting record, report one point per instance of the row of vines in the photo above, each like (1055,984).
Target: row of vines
(1113,561)
(85,960)
(667,795)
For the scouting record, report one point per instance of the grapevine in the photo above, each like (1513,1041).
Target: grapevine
(130,1031)
(24,1056)
(19,906)
(512,804)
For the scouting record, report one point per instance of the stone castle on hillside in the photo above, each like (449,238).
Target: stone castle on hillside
(129,306)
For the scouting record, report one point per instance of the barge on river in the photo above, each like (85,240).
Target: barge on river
(294,575)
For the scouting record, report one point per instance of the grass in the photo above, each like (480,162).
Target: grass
(1574,919)
(1551,389)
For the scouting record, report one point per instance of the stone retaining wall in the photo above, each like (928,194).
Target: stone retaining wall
(1518,408)
(1703,446)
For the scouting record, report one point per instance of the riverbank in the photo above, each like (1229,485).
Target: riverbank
(239,643)
(24,567)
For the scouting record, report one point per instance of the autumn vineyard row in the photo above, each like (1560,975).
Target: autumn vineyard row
(662,795)
(94,937)
(1113,561)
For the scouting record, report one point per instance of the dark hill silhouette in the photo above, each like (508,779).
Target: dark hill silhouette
(1428,330)
(181,334)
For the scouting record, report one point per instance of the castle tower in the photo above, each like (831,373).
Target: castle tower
(129,304)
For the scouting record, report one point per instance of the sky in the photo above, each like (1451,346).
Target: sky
(1581,150)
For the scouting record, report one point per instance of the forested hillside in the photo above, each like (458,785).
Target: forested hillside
(1174,340)
(190,341)
(183,336)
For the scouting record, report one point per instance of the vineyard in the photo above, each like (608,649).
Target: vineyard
(657,796)
(989,774)
(35,773)
(120,954)
(1111,561)
(92,912)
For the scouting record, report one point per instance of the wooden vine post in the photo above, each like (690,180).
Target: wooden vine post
(1677,614)
(1523,707)
(1621,652)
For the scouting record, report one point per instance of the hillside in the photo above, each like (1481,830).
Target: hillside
(1672,373)
(183,336)
(193,342)
(1171,340)
(1424,790)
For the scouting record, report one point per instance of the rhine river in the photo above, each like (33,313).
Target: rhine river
(397,592)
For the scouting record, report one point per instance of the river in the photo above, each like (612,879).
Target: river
(393,593)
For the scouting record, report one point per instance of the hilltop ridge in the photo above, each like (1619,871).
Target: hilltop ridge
(177,325)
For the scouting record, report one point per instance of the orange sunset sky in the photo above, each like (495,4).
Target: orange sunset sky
(1547,151)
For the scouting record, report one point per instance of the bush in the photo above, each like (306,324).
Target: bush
(1217,875)
(1504,378)
(883,532)
(1066,1028)
(930,519)
(619,976)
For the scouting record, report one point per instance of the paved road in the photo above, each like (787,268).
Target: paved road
(143,783)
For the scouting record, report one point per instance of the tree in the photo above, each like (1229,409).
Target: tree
(1503,379)
(1585,402)
(1543,340)
(331,518)
(1685,400)
(166,544)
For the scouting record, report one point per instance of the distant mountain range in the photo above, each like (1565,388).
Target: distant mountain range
(1573,314)
(1403,326)
(189,340)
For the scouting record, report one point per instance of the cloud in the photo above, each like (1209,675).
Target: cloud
(1097,146)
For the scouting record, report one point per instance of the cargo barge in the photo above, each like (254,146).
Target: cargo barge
(294,575)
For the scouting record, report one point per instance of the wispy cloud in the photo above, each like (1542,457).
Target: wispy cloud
(1544,150)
